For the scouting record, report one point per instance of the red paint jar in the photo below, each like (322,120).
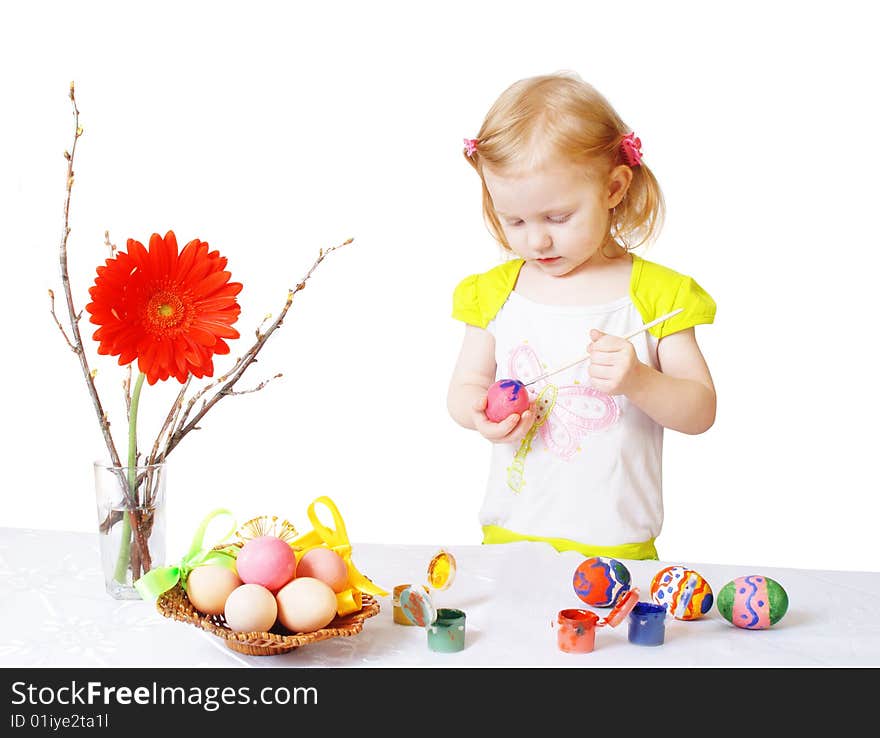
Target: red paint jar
(576,630)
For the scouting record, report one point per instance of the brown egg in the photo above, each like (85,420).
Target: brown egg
(209,585)
(306,604)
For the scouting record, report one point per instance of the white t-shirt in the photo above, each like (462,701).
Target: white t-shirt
(590,469)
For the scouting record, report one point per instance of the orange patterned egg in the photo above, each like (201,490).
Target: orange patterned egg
(669,584)
(600,581)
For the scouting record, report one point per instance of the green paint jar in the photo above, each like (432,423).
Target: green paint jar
(446,633)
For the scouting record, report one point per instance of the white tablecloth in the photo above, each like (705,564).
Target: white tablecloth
(54,612)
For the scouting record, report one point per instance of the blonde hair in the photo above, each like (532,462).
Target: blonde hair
(561,116)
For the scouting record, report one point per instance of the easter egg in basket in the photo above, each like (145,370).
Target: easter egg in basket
(306,604)
(753,602)
(208,586)
(266,560)
(505,397)
(250,608)
(324,564)
(671,582)
(600,580)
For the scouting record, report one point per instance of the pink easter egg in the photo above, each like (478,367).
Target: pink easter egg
(324,564)
(267,561)
(505,397)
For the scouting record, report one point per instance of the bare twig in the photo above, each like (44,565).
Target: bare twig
(201,393)
(170,420)
(135,563)
(57,322)
(110,246)
(257,388)
(77,344)
(259,332)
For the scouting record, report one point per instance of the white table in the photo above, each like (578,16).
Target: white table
(54,612)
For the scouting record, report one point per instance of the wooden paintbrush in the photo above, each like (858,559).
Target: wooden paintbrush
(636,332)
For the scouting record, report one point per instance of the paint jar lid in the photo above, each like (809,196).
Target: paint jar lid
(623,608)
(441,570)
(417,605)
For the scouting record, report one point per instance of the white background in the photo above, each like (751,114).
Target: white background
(272,132)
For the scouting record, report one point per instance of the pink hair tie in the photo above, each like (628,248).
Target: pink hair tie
(632,149)
(470,146)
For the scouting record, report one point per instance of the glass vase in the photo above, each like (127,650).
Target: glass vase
(131,524)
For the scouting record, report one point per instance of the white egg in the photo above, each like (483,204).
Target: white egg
(249,608)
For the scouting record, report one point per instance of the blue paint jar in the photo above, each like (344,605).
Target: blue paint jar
(647,624)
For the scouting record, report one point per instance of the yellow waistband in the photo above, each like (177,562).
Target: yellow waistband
(646,550)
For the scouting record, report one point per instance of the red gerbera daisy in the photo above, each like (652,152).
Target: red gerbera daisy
(169,311)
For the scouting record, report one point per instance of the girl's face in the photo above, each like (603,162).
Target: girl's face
(556,217)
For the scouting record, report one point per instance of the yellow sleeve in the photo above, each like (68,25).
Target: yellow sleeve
(478,298)
(656,290)
(465,306)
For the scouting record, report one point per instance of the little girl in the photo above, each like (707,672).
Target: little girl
(566,191)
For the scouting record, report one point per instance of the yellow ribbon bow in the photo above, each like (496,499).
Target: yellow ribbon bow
(336,539)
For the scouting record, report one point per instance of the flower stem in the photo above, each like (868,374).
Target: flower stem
(122,560)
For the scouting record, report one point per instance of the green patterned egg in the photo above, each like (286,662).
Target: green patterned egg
(754,602)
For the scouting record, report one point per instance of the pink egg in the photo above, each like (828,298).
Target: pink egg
(267,561)
(505,397)
(324,564)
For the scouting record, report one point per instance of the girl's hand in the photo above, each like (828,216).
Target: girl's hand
(614,366)
(510,430)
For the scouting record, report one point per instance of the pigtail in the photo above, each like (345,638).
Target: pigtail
(638,218)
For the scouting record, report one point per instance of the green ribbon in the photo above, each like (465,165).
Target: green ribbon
(156,581)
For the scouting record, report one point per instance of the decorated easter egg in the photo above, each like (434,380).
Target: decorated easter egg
(600,581)
(670,583)
(505,397)
(266,560)
(754,602)
(324,564)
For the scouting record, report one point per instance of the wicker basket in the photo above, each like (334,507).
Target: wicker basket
(175,604)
